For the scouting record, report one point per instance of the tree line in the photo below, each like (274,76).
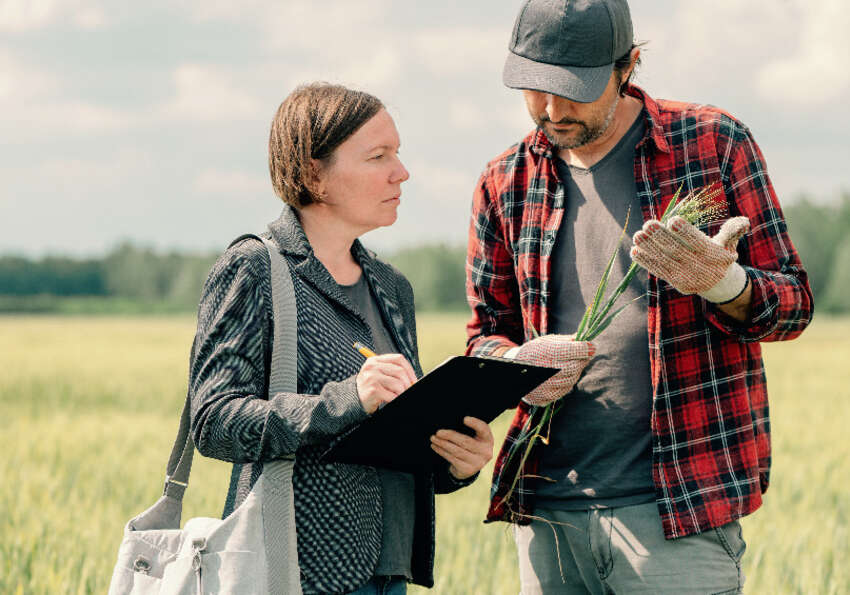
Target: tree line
(138,275)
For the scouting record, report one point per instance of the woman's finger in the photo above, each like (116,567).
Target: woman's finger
(454,449)
(402,362)
(394,364)
(481,428)
(446,455)
(475,457)
(460,469)
(461,465)
(392,383)
(385,395)
(482,441)
(461,440)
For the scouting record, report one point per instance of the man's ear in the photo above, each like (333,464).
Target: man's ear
(635,54)
(633,58)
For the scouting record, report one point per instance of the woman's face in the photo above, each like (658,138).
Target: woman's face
(361,184)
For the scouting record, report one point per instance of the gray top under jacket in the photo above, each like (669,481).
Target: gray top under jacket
(338,507)
(600,448)
(396,486)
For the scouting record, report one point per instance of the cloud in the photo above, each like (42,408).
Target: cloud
(75,102)
(21,81)
(816,73)
(238,183)
(380,69)
(35,98)
(77,180)
(713,51)
(439,184)
(208,93)
(351,43)
(466,114)
(325,28)
(471,114)
(30,15)
(461,50)
(345,42)
(202,93)
(755,58)
(335,27)
(82,117)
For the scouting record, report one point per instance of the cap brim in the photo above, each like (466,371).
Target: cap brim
(580,84)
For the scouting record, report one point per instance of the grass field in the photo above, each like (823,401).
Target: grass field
(89,406)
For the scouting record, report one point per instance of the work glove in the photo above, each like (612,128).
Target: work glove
(554,351)
(691,261)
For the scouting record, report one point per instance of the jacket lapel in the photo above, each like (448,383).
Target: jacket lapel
(287,232)
(382,281)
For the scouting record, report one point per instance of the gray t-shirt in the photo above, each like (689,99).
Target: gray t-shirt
(397,488)
(600,447)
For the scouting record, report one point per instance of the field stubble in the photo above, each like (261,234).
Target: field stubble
(89,406)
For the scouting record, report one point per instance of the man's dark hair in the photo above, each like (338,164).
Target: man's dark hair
(310,124)
(621,64)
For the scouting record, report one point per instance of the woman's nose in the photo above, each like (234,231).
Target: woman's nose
(400,174)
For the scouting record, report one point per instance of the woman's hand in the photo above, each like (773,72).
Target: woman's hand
(467,455)
(382,378)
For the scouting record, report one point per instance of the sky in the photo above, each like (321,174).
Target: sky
(148,121)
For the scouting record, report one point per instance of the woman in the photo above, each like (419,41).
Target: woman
(333,158)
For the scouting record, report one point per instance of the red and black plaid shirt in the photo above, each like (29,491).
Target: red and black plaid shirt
(710,424)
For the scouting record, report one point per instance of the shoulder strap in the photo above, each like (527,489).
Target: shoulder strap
(283,573)
(283,376)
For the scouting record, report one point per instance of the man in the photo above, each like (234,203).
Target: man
(661,441)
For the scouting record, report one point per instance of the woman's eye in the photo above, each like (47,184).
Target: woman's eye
(378,156)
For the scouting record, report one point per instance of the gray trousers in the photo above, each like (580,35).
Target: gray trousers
(623,550)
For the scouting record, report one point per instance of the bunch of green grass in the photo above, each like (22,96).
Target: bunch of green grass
(698,207)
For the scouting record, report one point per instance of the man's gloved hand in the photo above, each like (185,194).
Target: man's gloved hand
(554,351)
(691,261)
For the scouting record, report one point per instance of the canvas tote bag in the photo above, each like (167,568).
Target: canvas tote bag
(253,550)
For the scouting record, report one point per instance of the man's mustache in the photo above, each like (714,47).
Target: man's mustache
(544,119)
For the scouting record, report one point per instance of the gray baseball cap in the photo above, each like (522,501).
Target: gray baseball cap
(568,47)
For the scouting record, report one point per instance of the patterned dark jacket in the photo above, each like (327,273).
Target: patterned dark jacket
(338,507)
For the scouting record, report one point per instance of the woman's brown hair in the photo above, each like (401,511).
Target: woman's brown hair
(310,124)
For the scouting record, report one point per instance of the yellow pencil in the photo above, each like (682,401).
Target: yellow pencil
(364,350)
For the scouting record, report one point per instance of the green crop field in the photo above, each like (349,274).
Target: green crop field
(89,406)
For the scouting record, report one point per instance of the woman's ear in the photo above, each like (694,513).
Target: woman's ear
(316,178)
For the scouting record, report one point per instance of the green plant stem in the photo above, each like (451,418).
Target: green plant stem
(596,319)
(530,437)
(599,319)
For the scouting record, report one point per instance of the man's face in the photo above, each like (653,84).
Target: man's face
(569,124)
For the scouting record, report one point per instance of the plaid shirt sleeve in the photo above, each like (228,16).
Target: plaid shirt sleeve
(782,301)
(491,283)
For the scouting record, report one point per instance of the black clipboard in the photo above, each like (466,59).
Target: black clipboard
(398,435)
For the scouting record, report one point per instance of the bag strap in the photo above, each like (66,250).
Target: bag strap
(283,376)
(283,573)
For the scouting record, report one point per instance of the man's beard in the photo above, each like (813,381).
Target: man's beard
(587,133)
